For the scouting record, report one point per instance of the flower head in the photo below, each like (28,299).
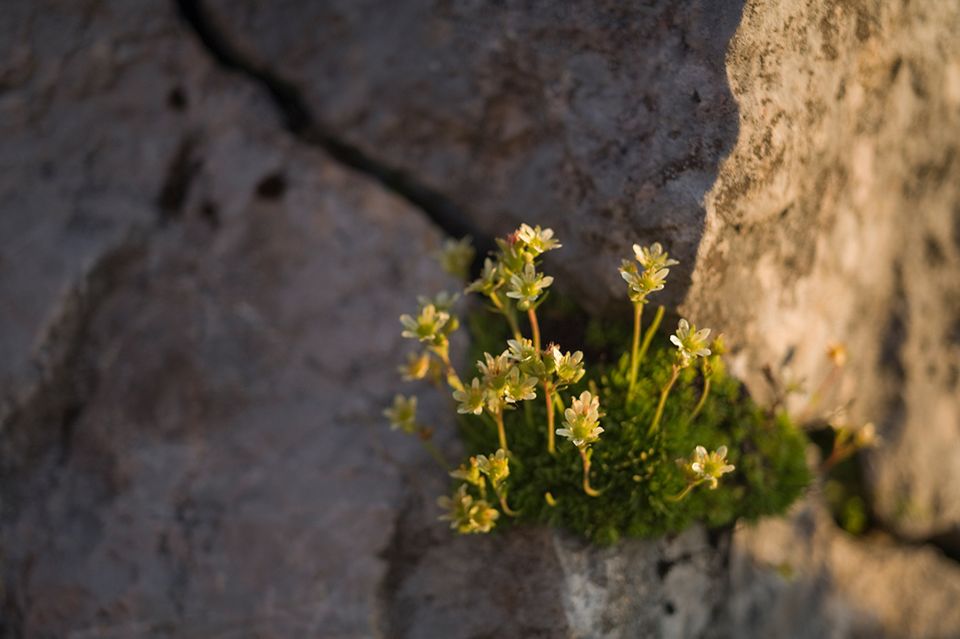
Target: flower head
(581,420)
(417,367)
(494,371)
(527,286)
(536,240)
(428,326)
(489,281)
(469,474)
(467,515)
(709,466)
(866,436)
(653,258)
(690,342)
(520,386)
(471,398)
(403,414)
(456,256)
(837,353)
(496,467)
(521,350)
(641,283)
(568,367)
(443,301)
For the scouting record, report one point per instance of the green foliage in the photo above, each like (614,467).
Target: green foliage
(637,473)
(649,437)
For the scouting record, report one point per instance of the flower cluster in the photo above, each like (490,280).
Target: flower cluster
(512,274)
(503,384)
(582,421)
(513,284)
(651,276)
(467,514)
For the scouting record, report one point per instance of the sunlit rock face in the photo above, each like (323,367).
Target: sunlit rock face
(836,218)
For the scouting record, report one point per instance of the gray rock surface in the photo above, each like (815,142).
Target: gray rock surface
(836,217)
(801,577)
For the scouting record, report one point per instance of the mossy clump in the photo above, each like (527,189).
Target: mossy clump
(637,473)
(647,438)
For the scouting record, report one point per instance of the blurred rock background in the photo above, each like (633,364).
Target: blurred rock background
(212,214)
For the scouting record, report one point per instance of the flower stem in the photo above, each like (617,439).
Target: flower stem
(648,336)
(502,495)
(655,424)
(683,493)
(703,398)
(501,431)
(548,398)
(435,453)
(586,474)
(635,351)
(507,313)
(534,327)
(559,402)
(443,352)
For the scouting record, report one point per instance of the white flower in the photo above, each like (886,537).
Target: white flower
(568,367)
(443,301)
(494,371)
(709,467)
(519,386)
(496,467)
(417,367)
(470,474)
(527,286)
(581,421)
(403,414)
(428,326)
(653,258)
(471,398)
(641,283)
(456,256)
(489,281)
(690,342)
(522,350)
(467,515)
(537,240)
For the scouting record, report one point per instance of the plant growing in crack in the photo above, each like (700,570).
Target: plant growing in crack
(661,398)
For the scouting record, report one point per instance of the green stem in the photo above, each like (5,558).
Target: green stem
(507,312)
(443,352)
(703,398)
(655,424)
(501,431)
(683,493)
(534,327)
(551,438)
(586,474)
(559,402)
(635,351)
(502,495)
(651,330)
(435,453)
